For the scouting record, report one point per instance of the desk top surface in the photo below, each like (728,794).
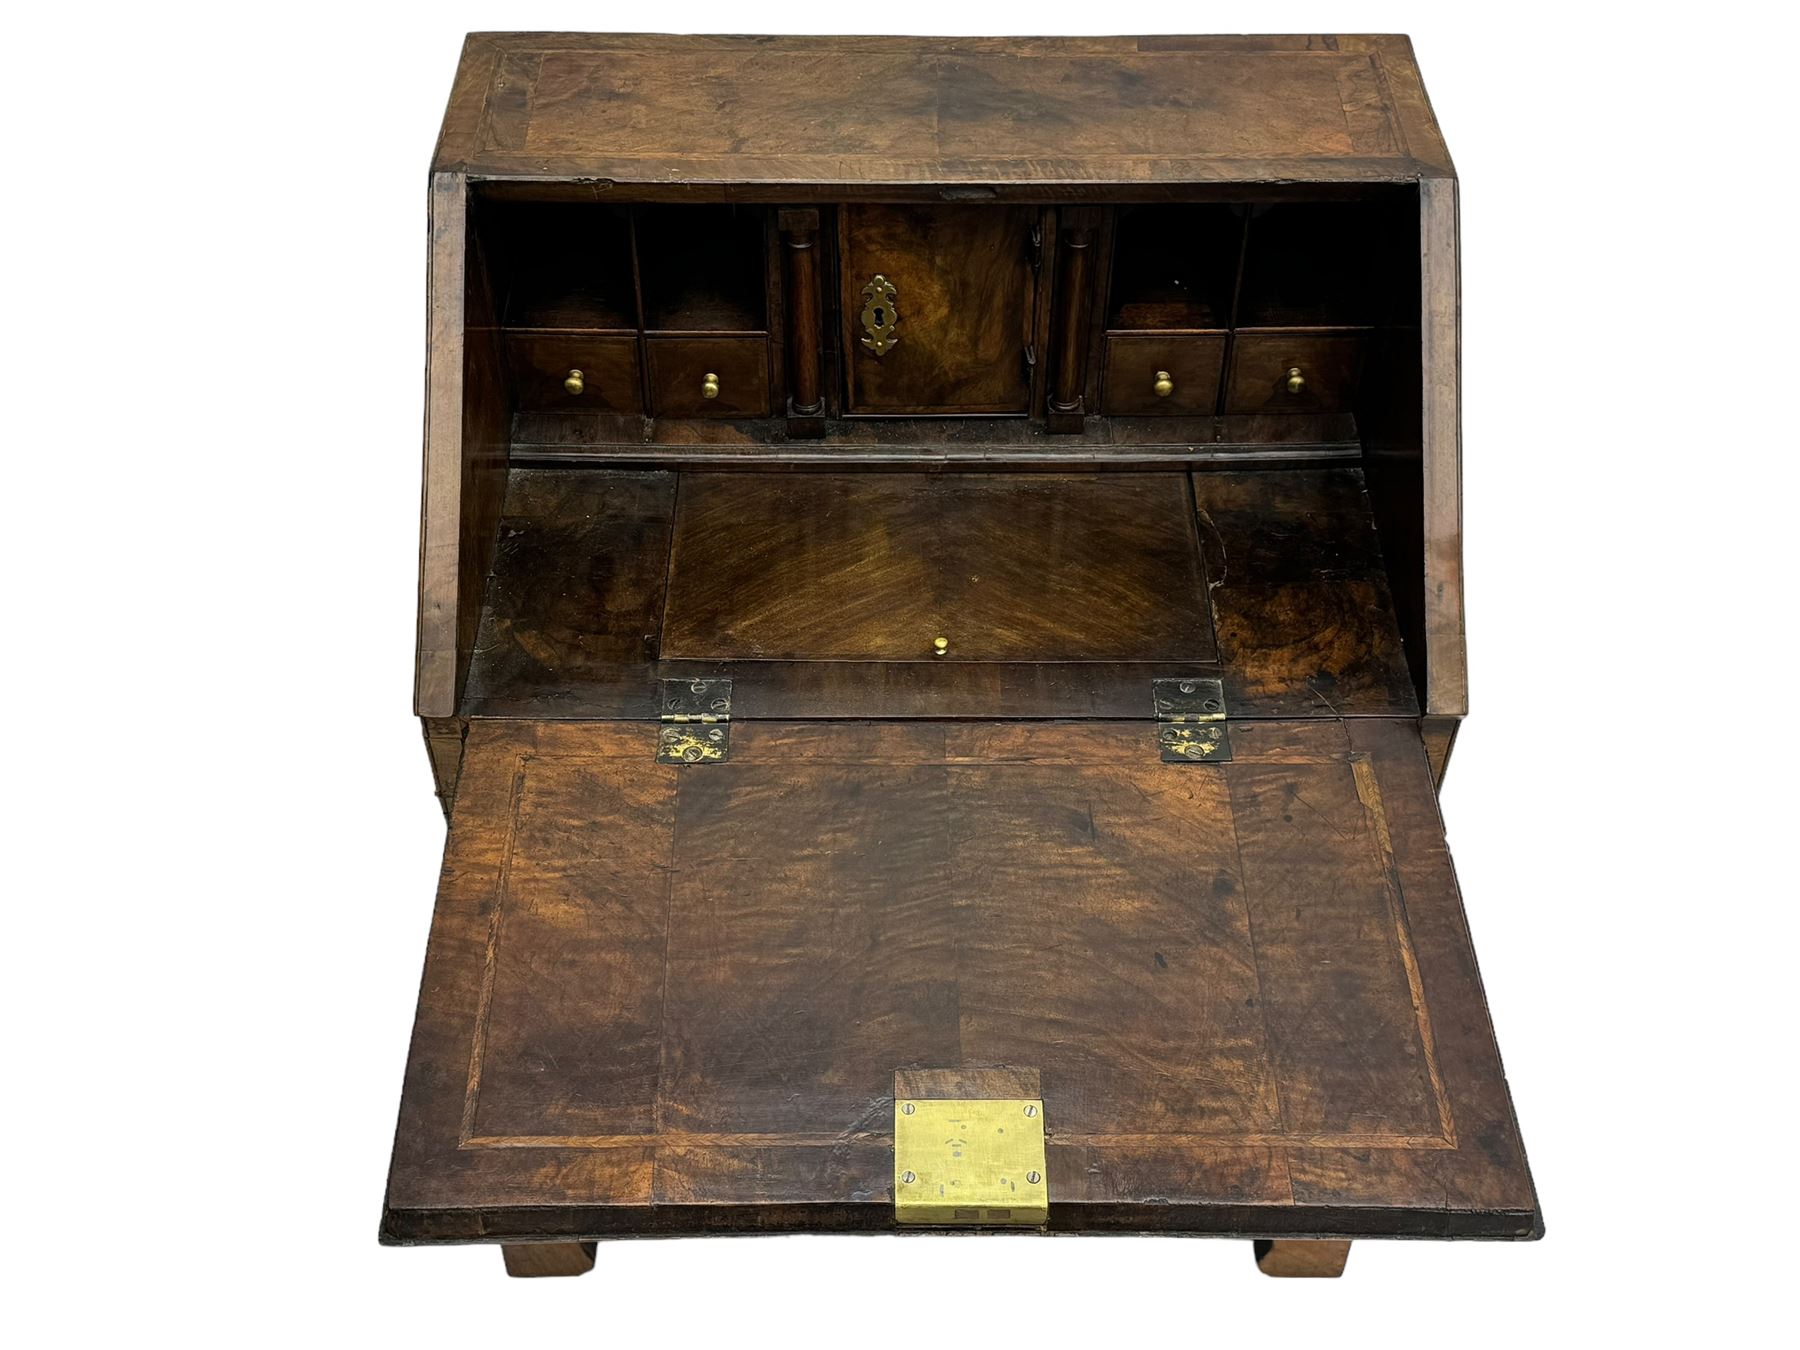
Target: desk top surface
(874,112)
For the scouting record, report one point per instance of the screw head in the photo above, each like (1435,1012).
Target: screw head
(1033,1177)
(908,1109)
(908,1178)
(1031,1110)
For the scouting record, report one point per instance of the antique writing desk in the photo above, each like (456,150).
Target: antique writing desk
(940,619)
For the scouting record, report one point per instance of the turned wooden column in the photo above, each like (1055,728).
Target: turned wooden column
(806,390)
(1076,233)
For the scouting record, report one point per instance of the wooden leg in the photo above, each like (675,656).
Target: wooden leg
(526,1259)
(1302,1258)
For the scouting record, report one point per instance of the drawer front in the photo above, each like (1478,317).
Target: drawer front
(1267,367)
(1154,375)
(709,377)
(544,371)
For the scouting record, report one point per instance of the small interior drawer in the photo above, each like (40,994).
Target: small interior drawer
(1155,374)
(1300,372)
(562,373)
(709,377)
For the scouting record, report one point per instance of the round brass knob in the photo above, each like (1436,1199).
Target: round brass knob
(709,387)
(1295,380)
(574,384)
(939,646)
(1164,386)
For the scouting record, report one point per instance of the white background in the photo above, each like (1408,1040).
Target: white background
(222,846)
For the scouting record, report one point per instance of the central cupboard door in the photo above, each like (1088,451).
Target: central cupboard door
(939,305)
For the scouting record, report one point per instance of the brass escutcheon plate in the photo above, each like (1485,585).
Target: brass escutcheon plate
(879,315)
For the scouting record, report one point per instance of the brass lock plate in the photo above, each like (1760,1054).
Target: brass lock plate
(970,1162)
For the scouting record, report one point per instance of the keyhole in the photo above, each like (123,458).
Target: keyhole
(880,317)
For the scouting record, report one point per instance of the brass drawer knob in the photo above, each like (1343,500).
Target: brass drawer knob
(939,646)
(1164,386)
(1296,382)
(709,387)
(574,384)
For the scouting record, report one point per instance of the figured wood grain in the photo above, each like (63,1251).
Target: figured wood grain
(573,611)
(963,277)
(572,628)
(1300,598)
(876,566)
(573,625)
(1038,114)
(666,1000)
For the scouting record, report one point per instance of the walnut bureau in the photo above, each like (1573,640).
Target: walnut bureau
(940,624)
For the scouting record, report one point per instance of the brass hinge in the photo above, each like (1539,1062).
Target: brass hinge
(975,1162)
(696,718)
(1190,715)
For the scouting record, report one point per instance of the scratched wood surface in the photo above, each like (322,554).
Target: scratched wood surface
(1039,113)
(1306,624)
(662,999)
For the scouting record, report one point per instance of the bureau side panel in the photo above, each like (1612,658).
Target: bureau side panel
(466,428)
(1411,420)
(1440,319)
